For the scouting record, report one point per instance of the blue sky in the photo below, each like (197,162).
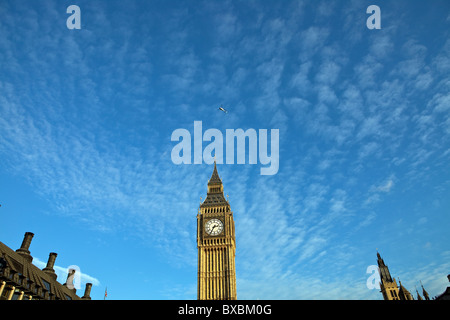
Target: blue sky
(86,118)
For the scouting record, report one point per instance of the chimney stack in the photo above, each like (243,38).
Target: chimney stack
(87,292)
(50,263)
(23,250)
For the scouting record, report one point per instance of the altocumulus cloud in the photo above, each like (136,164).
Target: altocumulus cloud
(62,273)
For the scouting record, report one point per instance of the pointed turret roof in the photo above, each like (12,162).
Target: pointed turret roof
(424,292)
(214,196)
(403,293)
(418,295)
(215,179)
(385,275)
(380,260)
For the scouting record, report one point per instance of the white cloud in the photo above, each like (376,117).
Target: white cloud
(369,127)
(381,45)
(386,186)
(62,273)
(441,102)
(328,73)
(313,39)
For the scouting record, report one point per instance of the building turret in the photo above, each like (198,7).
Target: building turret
(388,285)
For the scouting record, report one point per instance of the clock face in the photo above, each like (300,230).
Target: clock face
(214,227)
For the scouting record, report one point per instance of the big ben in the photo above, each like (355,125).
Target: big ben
(216,245)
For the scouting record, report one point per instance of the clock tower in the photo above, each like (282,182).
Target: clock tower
(216,279)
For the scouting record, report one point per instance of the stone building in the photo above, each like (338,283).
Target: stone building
(216,245)
(20,279)
(389,287)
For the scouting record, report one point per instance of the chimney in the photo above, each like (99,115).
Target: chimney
(23,250)
(87,292)
(448,277)
(50,263)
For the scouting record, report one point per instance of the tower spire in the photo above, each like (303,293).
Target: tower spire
(385,275)
(424,292)
(388,285)
(214,196)
(215,179)
(418,295)
(403,293)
